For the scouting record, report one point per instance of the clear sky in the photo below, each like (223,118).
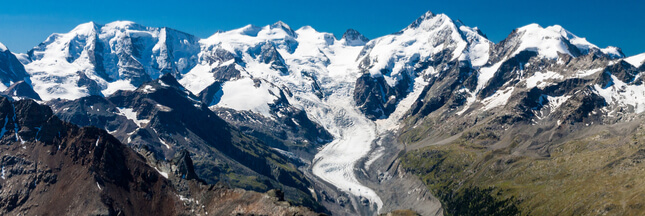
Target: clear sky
(621,23)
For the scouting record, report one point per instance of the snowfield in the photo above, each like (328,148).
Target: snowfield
(258,67)
(314,58)
(336,161)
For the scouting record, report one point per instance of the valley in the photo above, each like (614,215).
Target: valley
(434,119)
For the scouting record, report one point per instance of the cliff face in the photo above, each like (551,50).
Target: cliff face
(162,118)
(50,167)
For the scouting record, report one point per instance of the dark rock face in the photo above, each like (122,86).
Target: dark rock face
(293,131)
(46,159)
(169,120)
(375,97)
(50,166)
(508,71)
(623,71)
(226,73)
(125,53)
(91,85)
(401,78)
(211,95)
(269,55)
(442,89)
(354,38)
(11,70)
(21,89)
(184,164)
(442,106)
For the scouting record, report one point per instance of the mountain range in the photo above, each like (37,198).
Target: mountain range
(434,119)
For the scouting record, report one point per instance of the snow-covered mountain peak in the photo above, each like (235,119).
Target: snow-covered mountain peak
(279,33)
(430,21)
(351,37)
(636,60)
(93,58)
(248,30)
(279,28)
(418,21)
(308,33)
(122,24)
(11,70)
(429,36)
(613,52)
(304,30)
(580,43)
(85,28)
(550,41)
(547,42)
(283,26)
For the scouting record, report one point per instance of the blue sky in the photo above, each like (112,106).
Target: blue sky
(25,23)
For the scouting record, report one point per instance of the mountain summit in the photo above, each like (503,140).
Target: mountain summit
(354,38)
(435,118)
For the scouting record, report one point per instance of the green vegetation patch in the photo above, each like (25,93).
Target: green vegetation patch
(594,175)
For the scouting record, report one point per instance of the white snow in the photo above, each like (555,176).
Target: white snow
(540,79)
(182,198)
(398,52)
(623,95)
(164,174)
(636,60)
(548,42)
(308,53)
(164,143)
(198,78)
(129,113)
(3,173)
(118,85)
(163,108)
(23,58)
(586,73)
(312,58)
(486,73)
(393,121)
(99,186)
(498,99)
(2,47)
(375,155)
(556,102)
(612,51)
(59,59)
(243,95)
(97,141)
(354,134)
(148,89)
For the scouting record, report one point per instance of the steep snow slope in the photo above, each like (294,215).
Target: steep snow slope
(636,60)
(430,35)
(428,46)
(93,58)
(550,41)
(320,78)
(531,55)
(264,69)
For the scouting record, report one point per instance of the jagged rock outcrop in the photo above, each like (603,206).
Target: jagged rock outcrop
(163,118)
(11,69)
(51,167)
(21,89)
(354,38)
